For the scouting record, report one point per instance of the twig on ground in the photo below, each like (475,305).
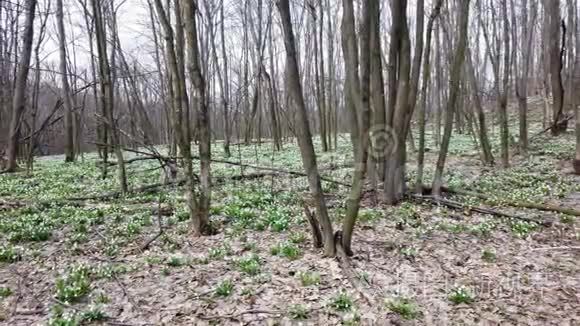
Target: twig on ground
(159,233)
(556,248)
(239,314)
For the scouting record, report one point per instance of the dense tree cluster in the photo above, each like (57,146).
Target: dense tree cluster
(265,71)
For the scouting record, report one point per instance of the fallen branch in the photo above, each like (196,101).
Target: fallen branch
(159,233)
(482,210)
(261,168)
(281,171)
(155,186)
(557,124)
(540,207)
(4,204)
(117,194)
(59,103)
(131,160)
(557,248)
(235,316)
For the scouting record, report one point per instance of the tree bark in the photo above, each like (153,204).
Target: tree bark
(552,21)
(68,104)
(487,156)
(363,121)
(107,92)
(225,85)
(527,58)
(201,221)
(19,99)
(422,104)
(351,83)
(377,90)
(576,95)
(397,110)
(454,82)
(304,134)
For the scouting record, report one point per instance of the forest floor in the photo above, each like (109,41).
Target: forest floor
(69,262)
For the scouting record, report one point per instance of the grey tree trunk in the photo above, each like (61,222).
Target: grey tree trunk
(487,155)
(19,98)
(576,97)
(304,135)
(454,82)
(363,121)
(422,104)
(377,90)
(351,83)
(226,86)
(107,92)
(69,155)
(397,110)
(552,21)
(201,221)
(522,81)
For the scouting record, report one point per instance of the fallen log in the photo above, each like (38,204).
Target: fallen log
(260,168)
(540,207)
(5,205)
(180,182)
(482,210)
(117,194)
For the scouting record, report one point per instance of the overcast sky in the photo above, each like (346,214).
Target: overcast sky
(133,22)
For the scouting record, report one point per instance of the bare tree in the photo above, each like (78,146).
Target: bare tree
(107,92)
(487,155)
(66,95)
(554,52)
(200,221)
(501,77)
(360,94)
(422,104)
(294,87)
(454,82)
(528,14)
(399,79)
(18,102)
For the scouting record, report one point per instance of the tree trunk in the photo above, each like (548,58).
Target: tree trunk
(363,121)
(397,110)
(379,135)
(351,83)
(503,93)
(225,85)
(487,156)
(576,97)
(201,220)
(304,134)
(107,92)
(422,104)
(522,82)
(68,104)
(454,82)
(552,21)
(323,106)
(19,99)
